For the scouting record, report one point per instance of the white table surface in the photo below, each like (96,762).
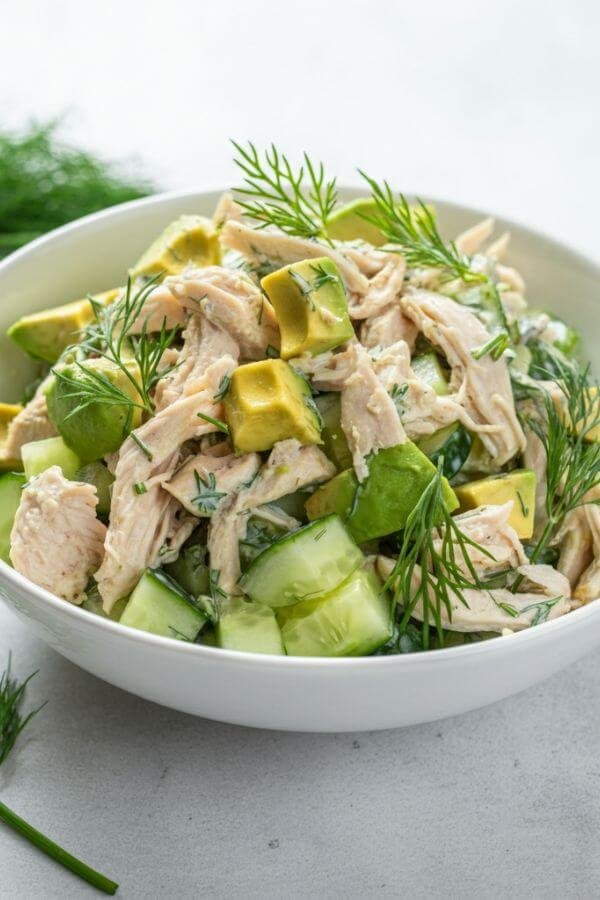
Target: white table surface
(495,105)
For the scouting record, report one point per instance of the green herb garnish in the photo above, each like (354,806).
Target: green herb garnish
(495,347)
(436,570)
(218,423)
(297,202)
(224,384)
(208,497)
(12,723)
(45,183)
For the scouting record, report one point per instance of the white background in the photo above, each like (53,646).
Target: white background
(492,104)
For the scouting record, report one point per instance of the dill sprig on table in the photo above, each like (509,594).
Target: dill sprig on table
(12,723)
(45,183)
(433,557)
(416,233)
(298,202)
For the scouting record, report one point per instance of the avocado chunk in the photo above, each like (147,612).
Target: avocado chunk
(7,413)
(189,239)
(97,473)
(335,445)
(97,428)
(353,620)
(382,503)
(518,486)
(268,402)
(347,223)
(40,455)
(44,335)
(428,368)
(311,306)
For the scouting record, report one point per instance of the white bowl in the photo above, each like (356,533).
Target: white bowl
(290,693)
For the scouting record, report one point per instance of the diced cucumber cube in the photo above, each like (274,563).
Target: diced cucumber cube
(158,605)
(11,485)
(353,620)
(38,456)
(250,627)
(307,563)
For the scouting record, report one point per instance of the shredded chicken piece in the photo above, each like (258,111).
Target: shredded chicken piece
(327,371)
(230,473)
(472,239)
(494,609)
(231,301)
(160,308)
(588,587)
(489,527)
(173,531)
(481,386)
(498,249)
(271,245)
(576,545)
(289,468)
(148,457)
(227,209)
(32,423)
(56,539)
(387,327)
(385,272)
(422,411)
(274,516)
(203,345)
(369,417)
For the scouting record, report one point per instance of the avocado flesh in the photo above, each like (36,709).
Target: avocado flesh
(189,239)
(382,503)
(98,428)
(268,402)
(44,335)
(335,445)
(347,223)
(7,413)
(518,486)
(311,306)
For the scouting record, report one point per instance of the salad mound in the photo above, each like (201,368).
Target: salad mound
(309,428)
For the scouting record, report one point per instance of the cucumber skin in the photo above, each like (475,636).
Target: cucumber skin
(353,620)
(251,628)
(159,606)
(455,446)
(11,485)
(281,576)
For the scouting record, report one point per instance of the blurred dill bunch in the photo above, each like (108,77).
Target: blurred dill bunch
(45,183)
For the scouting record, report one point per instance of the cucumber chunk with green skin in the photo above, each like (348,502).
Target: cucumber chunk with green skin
(11,486)
(353,620)
(306,563)
(38,456)
(453,442)
(158,605)
(428,368)
(190,570)
(250,627)
(335,445)
(381,504)
(96,473)
(260,534)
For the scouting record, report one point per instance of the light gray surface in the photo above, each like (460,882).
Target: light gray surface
(494,106)
(502,802)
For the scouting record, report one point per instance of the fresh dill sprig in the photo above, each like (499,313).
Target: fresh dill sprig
(397,393)
(208,497)
(433,566)
(297,202)
(495,347)
(416,233)
(322,277)
(138,357)
(563,425)
(218,423)
(224,385)
(12,723)
(45,183)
